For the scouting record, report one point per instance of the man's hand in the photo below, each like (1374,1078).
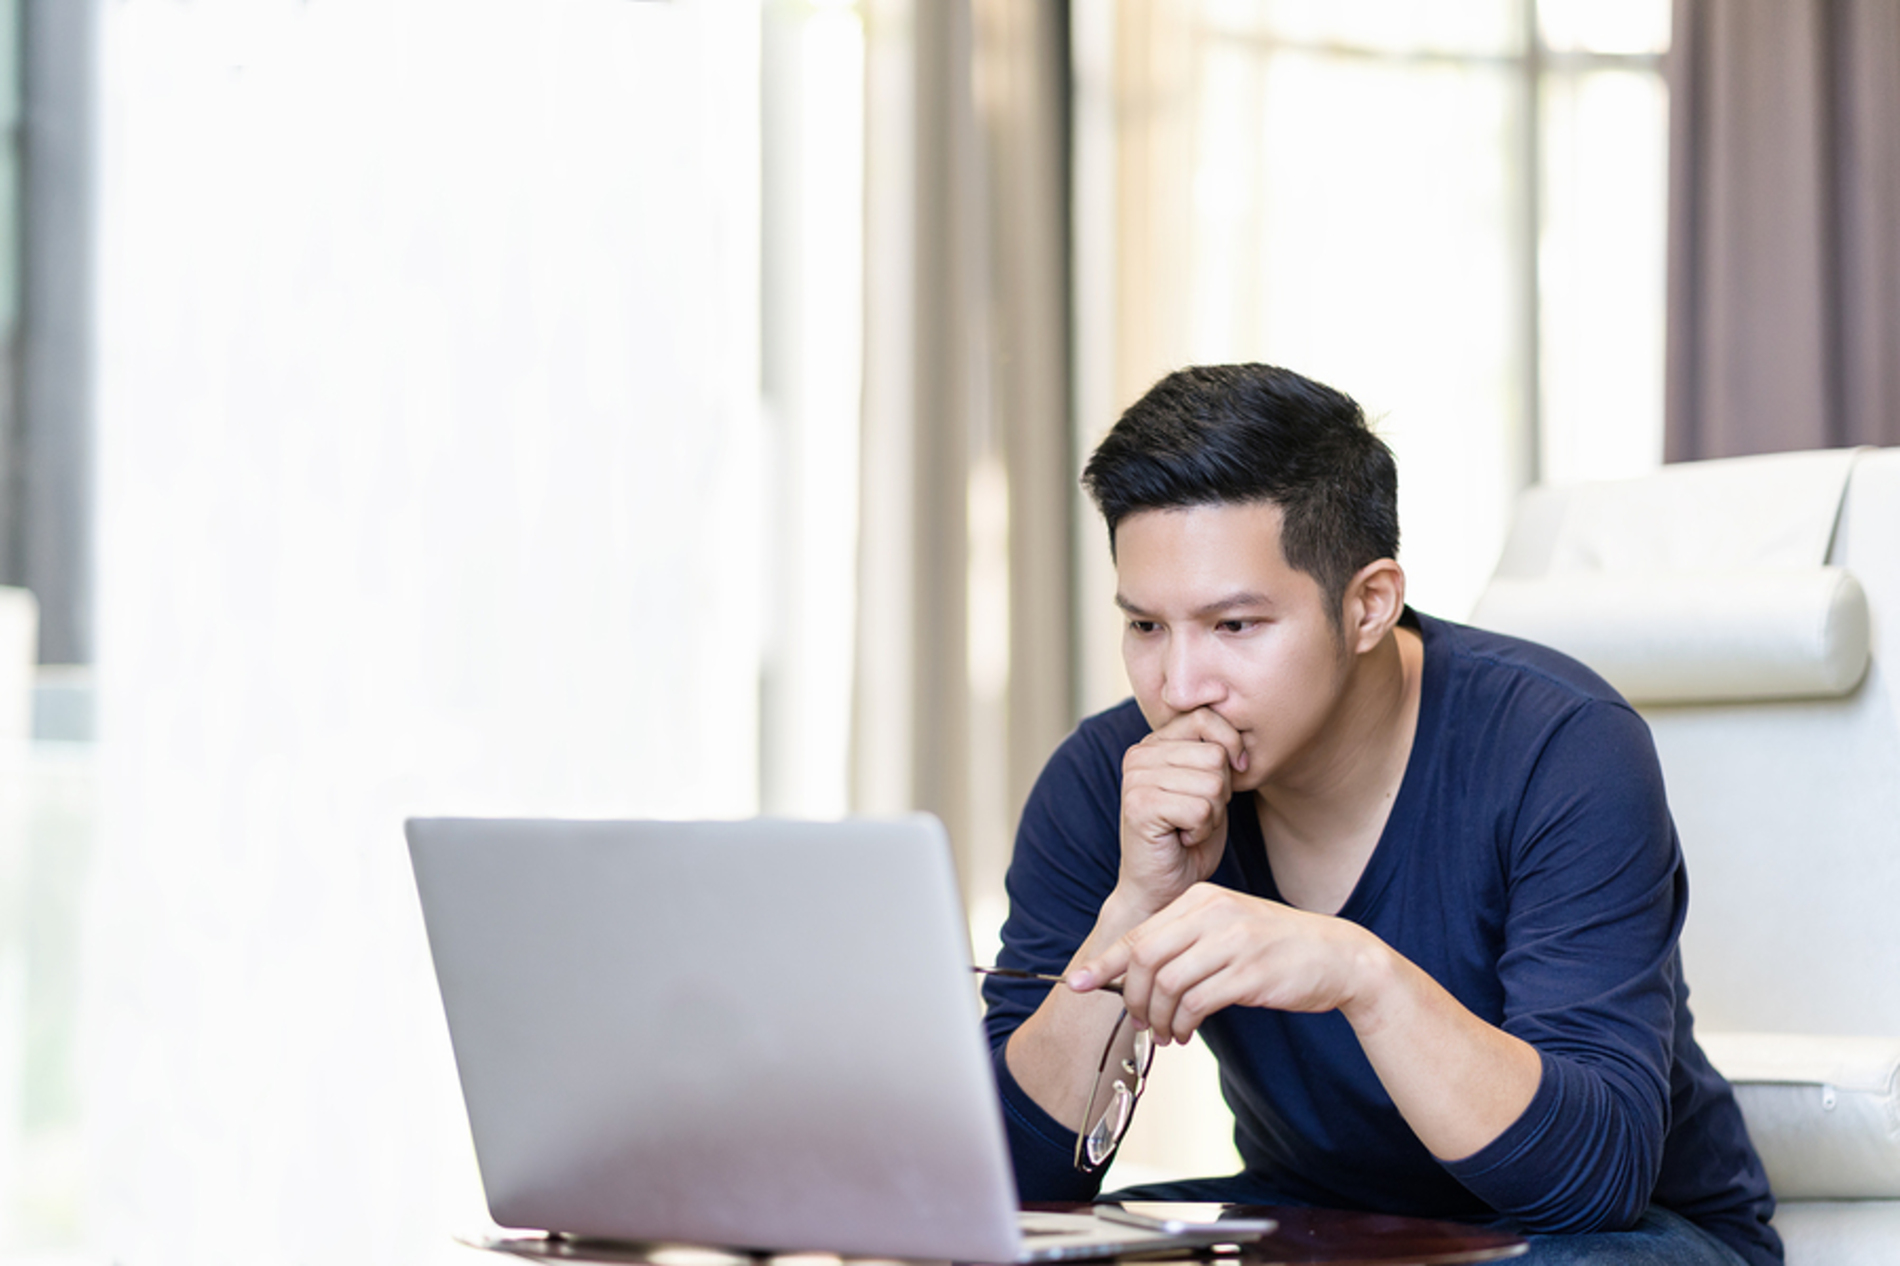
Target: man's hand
(1456,1079)
(1175,787)
(1176,784)
(1215,948)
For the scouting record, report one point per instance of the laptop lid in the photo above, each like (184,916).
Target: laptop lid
(761,1034)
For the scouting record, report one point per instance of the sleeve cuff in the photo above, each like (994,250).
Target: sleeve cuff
(1563,1166)
(1042,1151)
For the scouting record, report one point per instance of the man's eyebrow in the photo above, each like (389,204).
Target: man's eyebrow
(1243,600)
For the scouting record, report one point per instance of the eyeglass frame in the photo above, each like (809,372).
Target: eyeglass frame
(1093,1159)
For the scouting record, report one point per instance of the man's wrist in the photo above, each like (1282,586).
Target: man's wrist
(1125,909)
(1375,993)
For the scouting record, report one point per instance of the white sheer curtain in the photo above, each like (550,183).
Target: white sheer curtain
(429,482)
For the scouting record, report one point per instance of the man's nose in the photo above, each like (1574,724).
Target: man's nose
(1188,679)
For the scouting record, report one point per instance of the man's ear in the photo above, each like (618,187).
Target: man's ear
(1374,600)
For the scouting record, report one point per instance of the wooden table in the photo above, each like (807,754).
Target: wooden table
(1333,1236)
(1342,1238)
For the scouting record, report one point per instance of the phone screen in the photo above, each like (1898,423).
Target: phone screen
(1176,1216)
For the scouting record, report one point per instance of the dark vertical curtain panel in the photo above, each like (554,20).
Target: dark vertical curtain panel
(1022,95)
(967,366)
(1784,232)
(46,498)
(922,342)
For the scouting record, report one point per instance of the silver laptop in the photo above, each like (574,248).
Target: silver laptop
(760,1035)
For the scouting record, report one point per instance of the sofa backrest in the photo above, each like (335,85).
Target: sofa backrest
(1751,610)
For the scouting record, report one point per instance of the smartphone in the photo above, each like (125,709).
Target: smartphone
(1179,1216)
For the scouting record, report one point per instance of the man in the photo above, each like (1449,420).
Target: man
(1416,885)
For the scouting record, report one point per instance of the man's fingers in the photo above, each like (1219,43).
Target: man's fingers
(1160,969)
(1204,725)
(1175,787)
(1173,972)
(1178,754)
(1186,818)
(1100,970)
(1186,990)
(1133,958)
(1118,959)
(1208,785)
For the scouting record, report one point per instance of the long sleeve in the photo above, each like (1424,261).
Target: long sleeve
(1068,851)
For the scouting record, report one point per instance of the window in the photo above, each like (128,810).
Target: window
(1453,211)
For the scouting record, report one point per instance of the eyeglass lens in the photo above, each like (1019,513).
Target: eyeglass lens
(1118,1084)
(1119,1078)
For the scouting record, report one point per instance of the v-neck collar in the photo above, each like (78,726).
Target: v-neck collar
(1247,846)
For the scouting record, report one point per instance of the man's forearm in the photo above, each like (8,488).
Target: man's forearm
(1053,1055)
(1458,1081)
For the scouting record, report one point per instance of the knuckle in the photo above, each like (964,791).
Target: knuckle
(1211,784)
(1145,756)
(1190,1008)
(1204,755)
(1135,795)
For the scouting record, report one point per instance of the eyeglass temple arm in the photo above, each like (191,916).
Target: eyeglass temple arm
(1017,973)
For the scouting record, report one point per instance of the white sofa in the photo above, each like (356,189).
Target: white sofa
(1751,609)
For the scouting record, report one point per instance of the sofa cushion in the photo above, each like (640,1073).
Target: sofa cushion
(1839,1232)
(1824,1112)
(1706,636)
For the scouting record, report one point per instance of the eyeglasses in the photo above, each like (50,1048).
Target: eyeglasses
(1120,1077)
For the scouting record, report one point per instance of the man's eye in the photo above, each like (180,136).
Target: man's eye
(1235,626)
(1142,626)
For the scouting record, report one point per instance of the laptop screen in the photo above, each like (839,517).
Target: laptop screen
(761,1034)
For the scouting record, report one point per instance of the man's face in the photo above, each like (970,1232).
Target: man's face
(1217,619)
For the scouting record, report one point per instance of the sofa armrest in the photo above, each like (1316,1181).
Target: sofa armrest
(1824,1112)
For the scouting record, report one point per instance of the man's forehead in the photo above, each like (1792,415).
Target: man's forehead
(1218,527)
(1204,559)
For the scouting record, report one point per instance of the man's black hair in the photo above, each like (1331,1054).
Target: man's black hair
(1239,434)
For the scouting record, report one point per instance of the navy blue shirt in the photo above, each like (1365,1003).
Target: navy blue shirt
(1530,866)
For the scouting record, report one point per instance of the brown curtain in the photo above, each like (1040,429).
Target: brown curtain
(965,630)
(1784,250)
(1023,90)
